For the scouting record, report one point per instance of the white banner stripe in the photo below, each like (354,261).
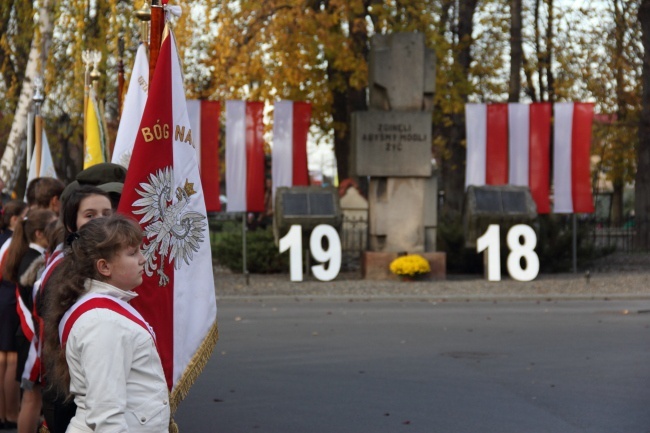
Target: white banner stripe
(282,160)
(195,307)
(563,201)
(194,113)
(476,127)
(519,132)
(236,155)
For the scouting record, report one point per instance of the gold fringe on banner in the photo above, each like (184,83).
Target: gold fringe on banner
(173,427)
(194,368)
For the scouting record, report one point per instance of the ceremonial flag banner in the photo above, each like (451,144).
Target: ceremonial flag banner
(46,168)
(94,146)
(204,119)
(510,144)
(136,98)
(244,156)
(290,129)
(571,165)
(162,190)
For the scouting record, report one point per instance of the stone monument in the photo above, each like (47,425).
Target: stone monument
(392,145)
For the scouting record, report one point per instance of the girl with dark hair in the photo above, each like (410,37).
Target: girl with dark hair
(99,349)
(12,212)
(83,204)
(24,261)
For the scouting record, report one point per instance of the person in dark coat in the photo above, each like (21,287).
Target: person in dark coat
(12,212)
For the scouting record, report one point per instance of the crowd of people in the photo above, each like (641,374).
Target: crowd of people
(74,355)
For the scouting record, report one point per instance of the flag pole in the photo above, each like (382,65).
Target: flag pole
(120,76)
(244,229)
(144,15)
(38,123)
(87,59)
(574,242)
(155,38)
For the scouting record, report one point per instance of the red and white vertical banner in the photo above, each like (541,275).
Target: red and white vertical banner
(509,144)
(245,156)
(163,192)
(290,129)
(204,119)
(529,128)
(571,161)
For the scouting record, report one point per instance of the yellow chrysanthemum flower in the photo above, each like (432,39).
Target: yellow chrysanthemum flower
(410,265)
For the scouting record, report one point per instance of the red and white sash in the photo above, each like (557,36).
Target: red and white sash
(33,371)
(93,301)
(26,320)
(51,264)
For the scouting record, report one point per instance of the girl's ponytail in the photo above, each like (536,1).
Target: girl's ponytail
(24,233)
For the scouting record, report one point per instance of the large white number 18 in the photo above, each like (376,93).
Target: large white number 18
(292,241)
(518,250)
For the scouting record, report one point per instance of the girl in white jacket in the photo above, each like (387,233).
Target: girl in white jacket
(103,353)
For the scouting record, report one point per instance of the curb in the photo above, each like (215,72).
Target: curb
(441,298)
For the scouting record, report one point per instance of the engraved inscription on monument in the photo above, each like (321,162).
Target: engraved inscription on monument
(390,143)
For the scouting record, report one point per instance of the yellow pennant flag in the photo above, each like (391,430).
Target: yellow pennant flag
(93,149)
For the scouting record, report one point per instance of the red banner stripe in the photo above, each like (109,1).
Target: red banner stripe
(254,157)
(154,302)
(301,120)
(210,112)
(539,155)
(583,114)
(496,160)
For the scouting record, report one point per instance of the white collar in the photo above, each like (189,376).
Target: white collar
(37,247)
(102,288)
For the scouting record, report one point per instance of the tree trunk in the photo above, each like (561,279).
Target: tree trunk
(538,52)
(453,168)
(14,152)
(550,80)
(516,51)
(642,184)
(621,109)
(349,100)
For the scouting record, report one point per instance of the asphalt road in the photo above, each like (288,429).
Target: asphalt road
(285,366)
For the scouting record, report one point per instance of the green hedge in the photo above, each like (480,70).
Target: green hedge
(263,256)
(554,246)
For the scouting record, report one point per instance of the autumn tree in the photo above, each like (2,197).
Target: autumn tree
(16,34)
(312,50)
(603,63)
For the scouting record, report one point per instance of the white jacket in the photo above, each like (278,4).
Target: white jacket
(116,376)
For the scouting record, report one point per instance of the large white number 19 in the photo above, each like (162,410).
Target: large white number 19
(292,241)
(518,250)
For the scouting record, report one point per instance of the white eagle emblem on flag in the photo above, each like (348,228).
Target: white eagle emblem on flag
(171,230)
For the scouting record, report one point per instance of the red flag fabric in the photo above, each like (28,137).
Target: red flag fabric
(509,144)
(204,119)
(163,191)
(497,145)
(244,156)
